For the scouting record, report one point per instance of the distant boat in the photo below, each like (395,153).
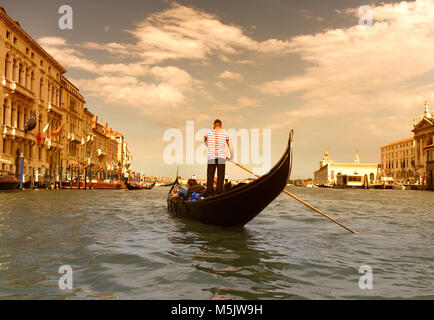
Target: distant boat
(400,186)
(139,187)
(165,184)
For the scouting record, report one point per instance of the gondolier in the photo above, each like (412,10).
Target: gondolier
(216,141)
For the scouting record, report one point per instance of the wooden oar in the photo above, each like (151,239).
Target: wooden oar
(298,199)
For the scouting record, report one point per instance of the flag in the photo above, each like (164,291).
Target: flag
(31,122)
(57,132)
(40,135)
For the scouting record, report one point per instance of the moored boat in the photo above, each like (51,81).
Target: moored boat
(239,205)
(139,187)
(8,182)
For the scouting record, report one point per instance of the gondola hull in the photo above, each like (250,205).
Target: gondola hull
(238,206)
(137,187)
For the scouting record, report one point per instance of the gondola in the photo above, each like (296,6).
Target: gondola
(8,182)
(239,205)
(139,187)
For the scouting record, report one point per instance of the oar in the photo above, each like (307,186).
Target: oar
(298,199)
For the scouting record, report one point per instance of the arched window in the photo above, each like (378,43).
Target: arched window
(371,177)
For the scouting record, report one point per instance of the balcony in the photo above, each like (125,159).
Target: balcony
(74,137)
(12,133)
(101,153)
(50,144)
(14,86)
(51,107)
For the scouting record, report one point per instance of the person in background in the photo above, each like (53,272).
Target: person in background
(216,141)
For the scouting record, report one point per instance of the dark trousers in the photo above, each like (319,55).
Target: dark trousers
(214,164)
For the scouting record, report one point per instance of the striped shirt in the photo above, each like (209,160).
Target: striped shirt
(216,141)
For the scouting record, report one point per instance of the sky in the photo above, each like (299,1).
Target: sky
(147,67)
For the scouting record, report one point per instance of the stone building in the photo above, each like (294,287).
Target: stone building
(329,172)
(398,161)
(73,136)
(30,82)
(423,129)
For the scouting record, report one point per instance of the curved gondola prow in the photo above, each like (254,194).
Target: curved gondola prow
(291,139)
(174,183)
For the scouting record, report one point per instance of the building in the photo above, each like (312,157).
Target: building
(33,81)
(398,161)
(30,82)
(73,137)
(423,129)
(330,173)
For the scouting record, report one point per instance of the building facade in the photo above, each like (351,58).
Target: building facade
(330,173)
(30,82)
(73,135)
(423,129)
(398,161)
(69,135)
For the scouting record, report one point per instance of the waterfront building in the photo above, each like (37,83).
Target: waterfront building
(69,135)
(423,129)
(30,82)
(73,136)
(398,161)
(330,173)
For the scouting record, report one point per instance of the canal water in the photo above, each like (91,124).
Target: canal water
(125,245)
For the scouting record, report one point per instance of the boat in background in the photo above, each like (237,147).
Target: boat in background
(139,187)
(8,182)
(94,184)
(400,186)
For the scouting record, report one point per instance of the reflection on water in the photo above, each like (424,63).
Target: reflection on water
(235,256)
(125,245)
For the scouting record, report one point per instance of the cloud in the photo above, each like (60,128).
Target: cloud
(220,85)
(231,75)
(361,72)
(241,103)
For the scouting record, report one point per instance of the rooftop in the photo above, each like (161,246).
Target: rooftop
(398,142)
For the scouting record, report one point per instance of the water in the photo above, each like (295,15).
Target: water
(124,245)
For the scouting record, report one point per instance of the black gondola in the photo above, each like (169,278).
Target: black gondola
(239,205)
(139,187)
(8,182)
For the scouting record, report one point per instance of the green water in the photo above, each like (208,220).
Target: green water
(125,245)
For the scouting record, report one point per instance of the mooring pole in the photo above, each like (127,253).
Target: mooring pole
(21,170)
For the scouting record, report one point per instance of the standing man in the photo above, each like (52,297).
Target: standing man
(216,141)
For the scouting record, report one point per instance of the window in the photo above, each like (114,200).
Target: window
(15,40)
(33,55)
(27,50)
(4,112)
(41,63)
(7,34)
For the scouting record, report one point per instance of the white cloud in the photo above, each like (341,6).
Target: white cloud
(364,72)
(231,75)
